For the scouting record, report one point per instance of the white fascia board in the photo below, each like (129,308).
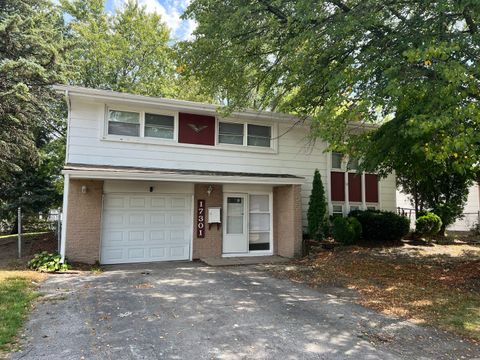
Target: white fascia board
(112,175)
(171,104)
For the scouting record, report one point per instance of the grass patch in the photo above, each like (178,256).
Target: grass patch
(17,290)
(442,290)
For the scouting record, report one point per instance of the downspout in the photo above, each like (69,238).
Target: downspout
(66,187)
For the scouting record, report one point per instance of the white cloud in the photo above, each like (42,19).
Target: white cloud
(170,11)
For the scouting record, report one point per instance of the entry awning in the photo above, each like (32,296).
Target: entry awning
(109,172)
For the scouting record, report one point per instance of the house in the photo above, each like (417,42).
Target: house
(471,211)
(153,179)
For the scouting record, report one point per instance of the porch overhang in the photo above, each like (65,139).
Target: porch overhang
(109,172)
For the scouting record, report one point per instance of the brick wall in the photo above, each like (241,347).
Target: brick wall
(211,244)
(287,220)
(84,221)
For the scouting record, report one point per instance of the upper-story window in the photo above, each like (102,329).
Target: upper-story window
(234,133)
(352,164)
(123,123)
(141,124)
(259,135)
(159,126)
(337,159)
(230,133)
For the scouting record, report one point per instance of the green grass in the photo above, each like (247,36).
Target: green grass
(17,291)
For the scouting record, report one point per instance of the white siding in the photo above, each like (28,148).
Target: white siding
(471,210)
(295,155)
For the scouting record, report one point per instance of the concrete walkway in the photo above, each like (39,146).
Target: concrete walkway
(244,260)
(192,311)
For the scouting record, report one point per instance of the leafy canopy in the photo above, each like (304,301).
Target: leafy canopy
(350,61)
(31,48)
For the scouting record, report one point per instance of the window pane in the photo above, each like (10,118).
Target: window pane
(337,160)
(230,133)
(259,241)
(120,128)
(235,215)
(259,203)
(259,135)
(259,222)
(160,126)
(124,116)
(352,164)
(337,209)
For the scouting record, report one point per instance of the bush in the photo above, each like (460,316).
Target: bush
(381,226)
(47,262)
(428,224)
(346,230)
(317,209)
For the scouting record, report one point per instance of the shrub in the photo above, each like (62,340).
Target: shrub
(317,209)
(47,262)
(428,224)
(346,230)
(381,226)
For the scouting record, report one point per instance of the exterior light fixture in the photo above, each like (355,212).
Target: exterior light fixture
(84,189)
(209,190)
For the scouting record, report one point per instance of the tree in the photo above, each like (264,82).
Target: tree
(317,208)
(410,68)
(31,47)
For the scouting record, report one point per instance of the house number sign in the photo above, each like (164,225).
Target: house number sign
(201,219)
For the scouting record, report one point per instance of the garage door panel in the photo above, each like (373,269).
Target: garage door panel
(146,228)
(158,203)
(136,202)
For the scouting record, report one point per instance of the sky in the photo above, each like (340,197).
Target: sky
(170,10)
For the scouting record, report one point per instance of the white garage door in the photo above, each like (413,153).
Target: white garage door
(141,228)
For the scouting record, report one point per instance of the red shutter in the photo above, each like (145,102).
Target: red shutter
(371,188)
(354,187)
(337,185)
(196,129)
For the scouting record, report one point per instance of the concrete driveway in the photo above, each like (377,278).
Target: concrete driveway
(191,311)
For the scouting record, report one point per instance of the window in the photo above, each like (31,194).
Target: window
(354,207)
(371,208)
(337,210)
(352,164)
(259,223)
(159,126)
(337,160)
(123,123)
(230,133)
(259,135)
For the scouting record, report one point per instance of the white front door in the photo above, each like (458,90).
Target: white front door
(142,228)
(235,239)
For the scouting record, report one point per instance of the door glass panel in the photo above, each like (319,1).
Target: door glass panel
(235,211)
(259,222)
(259,203)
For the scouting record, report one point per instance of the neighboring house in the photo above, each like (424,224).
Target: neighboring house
(152,179)
(471,211)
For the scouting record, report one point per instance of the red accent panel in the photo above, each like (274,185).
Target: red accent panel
(337,185)
(354,187)
(196,129)
(371,188)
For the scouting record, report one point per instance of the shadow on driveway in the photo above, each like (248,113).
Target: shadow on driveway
(191,311)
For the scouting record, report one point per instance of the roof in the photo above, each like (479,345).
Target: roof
(87,171)
(172,104)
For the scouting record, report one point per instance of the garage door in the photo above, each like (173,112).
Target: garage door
(141,228)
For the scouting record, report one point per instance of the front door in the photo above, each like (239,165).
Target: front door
(235,238)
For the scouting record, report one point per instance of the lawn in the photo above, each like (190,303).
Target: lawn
(17,290)
(436,285)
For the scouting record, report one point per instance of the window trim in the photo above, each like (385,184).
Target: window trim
(141,138)
(245,146)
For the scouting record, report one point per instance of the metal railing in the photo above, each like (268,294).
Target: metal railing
(465,223)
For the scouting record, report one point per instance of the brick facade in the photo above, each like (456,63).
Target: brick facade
(84,221)
(287,220)
(211,244)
